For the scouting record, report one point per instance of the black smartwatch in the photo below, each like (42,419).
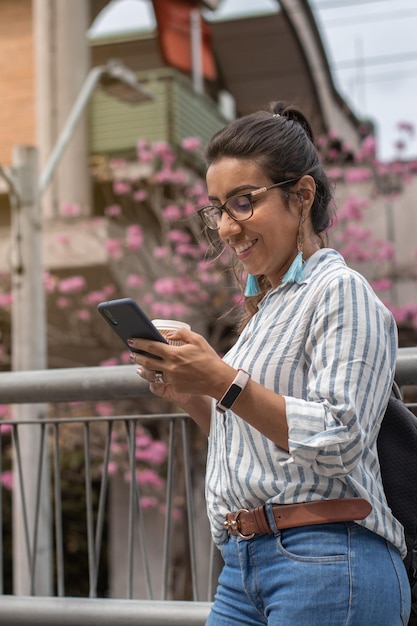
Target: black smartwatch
(233,392)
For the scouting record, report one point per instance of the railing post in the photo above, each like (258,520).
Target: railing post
(31,509)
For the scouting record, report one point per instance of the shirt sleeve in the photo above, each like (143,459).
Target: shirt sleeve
(350,353)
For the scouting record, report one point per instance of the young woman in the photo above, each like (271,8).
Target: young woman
(293,488)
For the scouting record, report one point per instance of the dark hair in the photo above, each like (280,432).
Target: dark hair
(281,142)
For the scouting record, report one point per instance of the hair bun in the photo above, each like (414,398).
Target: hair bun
(294,115)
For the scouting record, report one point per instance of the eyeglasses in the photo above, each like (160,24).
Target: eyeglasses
(239,208)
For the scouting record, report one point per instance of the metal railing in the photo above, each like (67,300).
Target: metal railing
(97,384)
(155,606)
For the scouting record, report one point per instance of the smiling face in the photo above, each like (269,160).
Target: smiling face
(267,242)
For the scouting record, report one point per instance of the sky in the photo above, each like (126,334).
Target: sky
(371,47)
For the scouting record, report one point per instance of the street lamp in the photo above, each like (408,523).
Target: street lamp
(32,531)
(116,80)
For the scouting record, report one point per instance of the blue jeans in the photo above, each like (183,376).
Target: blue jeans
(324,575)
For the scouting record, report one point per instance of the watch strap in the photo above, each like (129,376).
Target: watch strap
(233,391)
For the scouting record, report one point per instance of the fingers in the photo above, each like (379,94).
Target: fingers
(159,349)
(151,376)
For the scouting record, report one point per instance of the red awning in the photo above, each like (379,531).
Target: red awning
(174,33)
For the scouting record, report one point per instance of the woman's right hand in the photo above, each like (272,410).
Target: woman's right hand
(197,407)
(162,389)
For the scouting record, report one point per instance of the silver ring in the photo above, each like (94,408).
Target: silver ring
(159,378)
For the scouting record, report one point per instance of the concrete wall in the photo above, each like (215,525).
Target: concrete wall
(17,105)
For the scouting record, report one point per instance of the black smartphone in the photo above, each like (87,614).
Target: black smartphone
(128,321)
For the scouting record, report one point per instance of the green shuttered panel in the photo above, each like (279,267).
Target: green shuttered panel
(175,113)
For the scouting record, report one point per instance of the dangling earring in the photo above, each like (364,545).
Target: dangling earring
(252,286)
(294,274)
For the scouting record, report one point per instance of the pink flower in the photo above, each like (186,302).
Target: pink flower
(178,310)
(189,285)
(149,477)
(333,134)
(5,428)
(385,251)
(203,266)
(145,155)
(148,298)
(188,250)
(125,357)
(70,210)
(166,286)
(162,309)
(208,278)
(175,512)
(160,252)
(84,315)
(148,502)
(179,177)
(109,290)
(172,212)
(191,144)
(353,209)
(114,248)
(109,362)
(133,280)
(382,285)
(6,479)
(6,299)
(104,409)
(189,209)
(358,175)
(143,439)
(4,411)
(113,210)
(63,303)
(238,299)
(62,240)
(95,297)
(140,195)
(355,252)
(112,468)
(163,176)
(178,236)
(197,189)
(368,147)
(117,162)
(72,284)
(335,173)
(134,236)
(333,153)
(48,282)
(163,150)
(121,188)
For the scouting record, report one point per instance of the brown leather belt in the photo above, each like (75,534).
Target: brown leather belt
(247,524)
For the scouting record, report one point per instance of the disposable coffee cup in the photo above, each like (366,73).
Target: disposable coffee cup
(168,326)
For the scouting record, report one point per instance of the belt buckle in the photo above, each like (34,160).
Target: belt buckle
(234,524)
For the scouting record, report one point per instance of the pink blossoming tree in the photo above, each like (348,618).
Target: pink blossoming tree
(158,253)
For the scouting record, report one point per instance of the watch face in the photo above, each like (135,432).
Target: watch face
(231,395)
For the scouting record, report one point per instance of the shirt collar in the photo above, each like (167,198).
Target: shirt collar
(314,264)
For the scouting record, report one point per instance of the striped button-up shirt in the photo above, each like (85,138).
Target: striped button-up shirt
(329,346)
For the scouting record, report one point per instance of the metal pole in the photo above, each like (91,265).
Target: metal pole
(112,74)
(29,353)
(67,132)
(196,50)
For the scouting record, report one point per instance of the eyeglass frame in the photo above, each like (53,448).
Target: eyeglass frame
(249,196)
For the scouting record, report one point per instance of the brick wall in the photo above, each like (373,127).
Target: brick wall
(17,104)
